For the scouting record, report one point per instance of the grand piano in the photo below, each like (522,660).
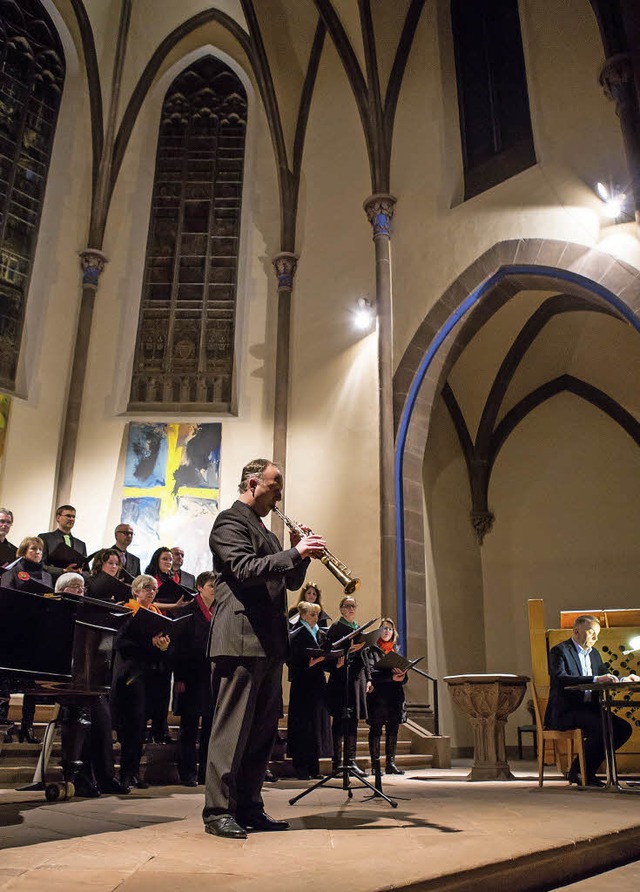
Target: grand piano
(60,646)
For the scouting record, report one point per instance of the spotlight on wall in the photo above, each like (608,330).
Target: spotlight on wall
(634,645)
(364,314)
(613,201)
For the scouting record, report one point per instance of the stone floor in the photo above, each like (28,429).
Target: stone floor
(448,834)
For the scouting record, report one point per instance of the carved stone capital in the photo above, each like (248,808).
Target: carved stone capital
(379,210)
(482,523)
(92,261)
(285,265)
(616,79)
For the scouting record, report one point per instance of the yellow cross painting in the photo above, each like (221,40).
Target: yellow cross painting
(172,489)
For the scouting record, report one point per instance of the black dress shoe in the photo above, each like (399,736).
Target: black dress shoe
(226,826)
(163,738)
(595,782)
(189,782)
(270,777)
(262,822)
(26,735)
(113,785)
(86,789)
(574,777)
(139,784)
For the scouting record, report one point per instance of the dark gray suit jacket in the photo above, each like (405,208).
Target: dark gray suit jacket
(252,576)
(51,540)
(565,672)
(132,563)
(188,580)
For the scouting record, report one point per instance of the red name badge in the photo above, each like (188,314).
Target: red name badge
(23,575)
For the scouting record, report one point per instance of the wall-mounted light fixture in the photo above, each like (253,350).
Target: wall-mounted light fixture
(364,314)
(614,201)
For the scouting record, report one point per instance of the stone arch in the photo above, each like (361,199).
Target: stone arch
(600,279)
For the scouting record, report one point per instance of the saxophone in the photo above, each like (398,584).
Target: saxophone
(331,562)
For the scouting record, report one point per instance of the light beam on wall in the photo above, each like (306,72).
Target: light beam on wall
(613,201)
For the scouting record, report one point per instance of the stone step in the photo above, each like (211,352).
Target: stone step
(407,762)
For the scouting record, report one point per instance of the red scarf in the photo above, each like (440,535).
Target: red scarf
(206,611)
(385,646)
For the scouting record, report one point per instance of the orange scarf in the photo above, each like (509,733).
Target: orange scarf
(385,646)
(135,606)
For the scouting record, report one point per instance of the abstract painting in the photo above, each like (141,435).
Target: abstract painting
(172,489)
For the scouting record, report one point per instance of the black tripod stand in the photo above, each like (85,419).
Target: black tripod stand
(345,772)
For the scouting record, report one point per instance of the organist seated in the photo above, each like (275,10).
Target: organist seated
(575,662)
(28,569)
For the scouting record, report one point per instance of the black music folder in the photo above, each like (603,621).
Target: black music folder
(63,556)
(146,623)
(394,660)
(108,588)
(170,592)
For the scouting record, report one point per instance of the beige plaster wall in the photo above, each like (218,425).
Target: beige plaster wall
(333,409)
(455,609)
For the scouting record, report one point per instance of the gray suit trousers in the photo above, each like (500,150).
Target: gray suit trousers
(248,706)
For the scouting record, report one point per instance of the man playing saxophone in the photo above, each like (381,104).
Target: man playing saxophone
(248,644)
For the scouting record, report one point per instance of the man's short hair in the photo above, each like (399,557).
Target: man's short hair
(6,511)
(585,620)
(64,508)
(255,468)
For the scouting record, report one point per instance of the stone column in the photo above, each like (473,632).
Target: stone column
(618,83)
(92,261)
(379,209)
(285,264)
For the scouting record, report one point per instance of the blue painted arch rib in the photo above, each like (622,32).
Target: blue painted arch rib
(405,419)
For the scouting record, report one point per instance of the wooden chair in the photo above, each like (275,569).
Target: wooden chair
(572,738)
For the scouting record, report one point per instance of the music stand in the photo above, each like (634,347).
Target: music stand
(344,771)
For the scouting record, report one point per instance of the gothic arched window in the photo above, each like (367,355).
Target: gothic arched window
(184,349)
(32,73)
(493,102)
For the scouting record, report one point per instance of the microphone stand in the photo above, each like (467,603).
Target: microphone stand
(345,772)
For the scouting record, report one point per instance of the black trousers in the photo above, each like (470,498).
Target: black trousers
(248,705)
(193,745)
(588,718)
(131,721)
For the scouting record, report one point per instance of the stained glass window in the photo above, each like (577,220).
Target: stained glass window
(184,349)
(32,73)
(493,102)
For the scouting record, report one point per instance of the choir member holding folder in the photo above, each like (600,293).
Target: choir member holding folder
(103,583)
(140,652)
(62,551)
(170,597)
(193,695)
(385,703)
(351,695)
(308,726)
(28,575)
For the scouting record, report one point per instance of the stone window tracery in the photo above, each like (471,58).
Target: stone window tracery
(184,350)
(32,70)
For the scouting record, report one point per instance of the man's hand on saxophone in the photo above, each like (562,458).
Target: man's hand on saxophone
(309,545)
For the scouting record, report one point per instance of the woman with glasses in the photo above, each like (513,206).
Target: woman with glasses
(386,705)
(136,663)
(349,683)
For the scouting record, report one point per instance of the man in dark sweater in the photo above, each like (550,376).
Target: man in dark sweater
(7,549)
